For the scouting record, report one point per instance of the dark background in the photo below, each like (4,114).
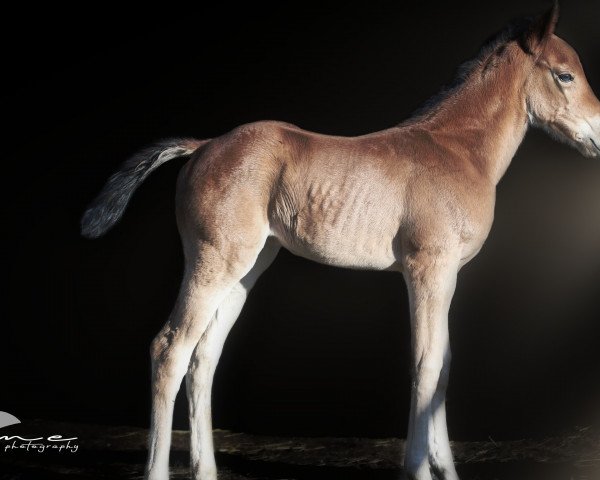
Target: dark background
(317,350)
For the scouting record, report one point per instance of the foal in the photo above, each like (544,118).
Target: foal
(417,198)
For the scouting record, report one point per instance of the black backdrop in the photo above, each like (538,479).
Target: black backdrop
(317,350)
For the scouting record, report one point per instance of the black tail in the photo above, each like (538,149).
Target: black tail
(109,205)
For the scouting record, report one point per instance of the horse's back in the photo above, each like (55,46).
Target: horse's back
(345,201)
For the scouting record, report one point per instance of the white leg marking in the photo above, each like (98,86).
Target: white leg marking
(206,283)
(203,364)
(431,279)
(440,452)
(171,351)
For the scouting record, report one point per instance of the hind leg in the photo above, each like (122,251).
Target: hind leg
(211,270)
(204,361)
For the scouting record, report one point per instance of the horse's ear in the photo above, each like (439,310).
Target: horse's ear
(540,30)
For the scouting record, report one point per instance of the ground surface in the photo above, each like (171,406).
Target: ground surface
(119,453)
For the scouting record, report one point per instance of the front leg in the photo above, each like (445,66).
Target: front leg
(431,278)
(440,454)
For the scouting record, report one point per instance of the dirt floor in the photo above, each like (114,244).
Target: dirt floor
(119,453)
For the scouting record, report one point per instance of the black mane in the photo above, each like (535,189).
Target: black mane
(491,49)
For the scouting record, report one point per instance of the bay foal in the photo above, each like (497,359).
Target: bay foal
(417,198)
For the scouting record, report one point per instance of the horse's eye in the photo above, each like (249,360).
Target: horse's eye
(565,77)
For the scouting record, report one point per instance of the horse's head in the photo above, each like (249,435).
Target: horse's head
(559,97)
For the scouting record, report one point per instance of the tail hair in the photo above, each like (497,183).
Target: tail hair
(108,207)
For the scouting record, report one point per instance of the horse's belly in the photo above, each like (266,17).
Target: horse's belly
(352,241)
(338,256)
(339,215)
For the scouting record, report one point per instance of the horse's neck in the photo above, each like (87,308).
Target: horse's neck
(485,118)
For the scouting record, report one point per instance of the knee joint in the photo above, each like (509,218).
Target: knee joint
(428,370)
